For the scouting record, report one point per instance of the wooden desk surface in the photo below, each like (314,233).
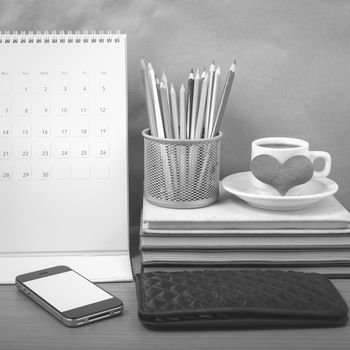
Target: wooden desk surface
(24,325)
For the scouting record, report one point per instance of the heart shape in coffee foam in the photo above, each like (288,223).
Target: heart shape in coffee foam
(295,171)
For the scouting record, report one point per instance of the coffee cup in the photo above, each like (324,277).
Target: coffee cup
(281,163)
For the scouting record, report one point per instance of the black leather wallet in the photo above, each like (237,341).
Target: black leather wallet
(232,299)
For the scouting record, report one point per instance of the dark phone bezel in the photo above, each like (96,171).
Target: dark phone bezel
(73,314)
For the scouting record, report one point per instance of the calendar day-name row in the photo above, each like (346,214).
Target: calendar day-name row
(57,82)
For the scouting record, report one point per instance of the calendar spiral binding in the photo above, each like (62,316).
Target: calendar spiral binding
(62,37)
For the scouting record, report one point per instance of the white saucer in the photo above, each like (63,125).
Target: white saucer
(298,197)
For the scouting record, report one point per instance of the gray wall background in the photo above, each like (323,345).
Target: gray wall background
(293,66)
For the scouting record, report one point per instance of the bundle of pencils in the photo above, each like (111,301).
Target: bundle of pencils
(198,114)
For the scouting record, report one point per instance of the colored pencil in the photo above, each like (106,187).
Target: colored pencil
(158,92)
(209,98)
(165,112)
(157,111)
(149,102)
(174,113)
(182,113)
(201,109)
(189,103)
(224,98)
(214,97)
(195,104)
(204,73)
(165,81)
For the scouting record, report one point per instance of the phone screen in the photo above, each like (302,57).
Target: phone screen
(67,290)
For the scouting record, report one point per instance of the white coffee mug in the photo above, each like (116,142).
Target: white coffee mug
(284,148)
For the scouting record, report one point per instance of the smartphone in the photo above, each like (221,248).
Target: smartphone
(68,296)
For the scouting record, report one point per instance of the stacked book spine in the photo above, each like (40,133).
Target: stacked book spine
(234,234)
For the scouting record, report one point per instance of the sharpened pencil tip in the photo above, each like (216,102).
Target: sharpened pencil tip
(143,64)
(172,87)
(212,68)
(233,66)
(182,87)
(162,85)
(150,66)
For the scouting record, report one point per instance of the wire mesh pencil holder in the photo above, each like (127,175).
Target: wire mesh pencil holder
(181,173)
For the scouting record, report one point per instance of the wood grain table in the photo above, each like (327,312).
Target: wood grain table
(24,325)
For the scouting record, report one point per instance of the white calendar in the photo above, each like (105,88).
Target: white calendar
(63,154)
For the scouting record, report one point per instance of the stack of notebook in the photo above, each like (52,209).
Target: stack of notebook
(232,233)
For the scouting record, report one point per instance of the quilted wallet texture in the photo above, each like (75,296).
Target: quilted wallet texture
(231,298)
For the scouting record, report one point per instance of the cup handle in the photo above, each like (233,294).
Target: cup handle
(327,162)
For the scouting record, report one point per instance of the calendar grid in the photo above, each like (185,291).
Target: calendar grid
(53,116)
